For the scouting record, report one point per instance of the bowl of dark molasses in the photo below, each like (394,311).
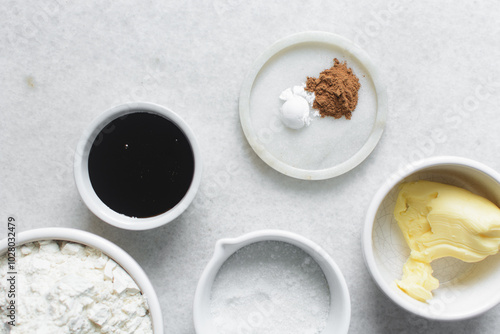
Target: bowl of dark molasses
(138,166)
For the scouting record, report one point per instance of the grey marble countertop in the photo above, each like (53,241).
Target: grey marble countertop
(64,63)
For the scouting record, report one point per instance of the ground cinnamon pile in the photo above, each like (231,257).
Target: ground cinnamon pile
(336,91)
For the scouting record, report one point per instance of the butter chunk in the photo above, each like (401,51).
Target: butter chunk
(439,220)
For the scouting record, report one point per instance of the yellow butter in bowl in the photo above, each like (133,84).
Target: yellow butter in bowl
(440,220)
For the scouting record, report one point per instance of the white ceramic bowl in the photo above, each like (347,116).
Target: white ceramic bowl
(340,306)
(107,247)
(84,185)
(466,289)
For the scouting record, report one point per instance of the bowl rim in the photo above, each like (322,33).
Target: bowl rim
(339,317)
(367,240)
(82,180)
(113,251)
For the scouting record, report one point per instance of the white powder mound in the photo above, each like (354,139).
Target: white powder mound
(65,287)
(295,111)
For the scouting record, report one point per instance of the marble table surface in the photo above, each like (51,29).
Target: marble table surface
(63,63)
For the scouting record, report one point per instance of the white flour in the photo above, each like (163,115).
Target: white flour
(71,288)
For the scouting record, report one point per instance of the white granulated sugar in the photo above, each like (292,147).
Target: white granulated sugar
(65,287)
(270,287)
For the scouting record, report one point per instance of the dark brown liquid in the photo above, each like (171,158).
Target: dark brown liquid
(141,165)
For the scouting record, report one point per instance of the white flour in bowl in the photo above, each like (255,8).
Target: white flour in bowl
(65,287)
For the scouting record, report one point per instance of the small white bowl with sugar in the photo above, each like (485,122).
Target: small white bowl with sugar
(338,308)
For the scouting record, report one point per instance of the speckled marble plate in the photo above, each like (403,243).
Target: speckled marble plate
(328,147)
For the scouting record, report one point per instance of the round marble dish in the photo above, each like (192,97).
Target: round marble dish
(328,147)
